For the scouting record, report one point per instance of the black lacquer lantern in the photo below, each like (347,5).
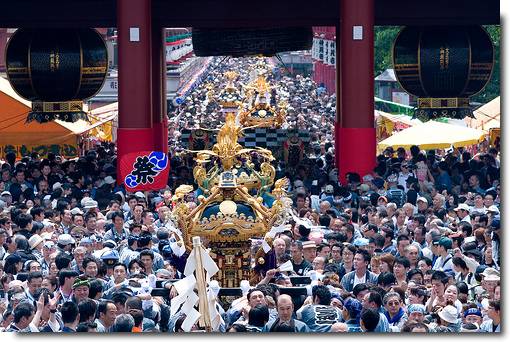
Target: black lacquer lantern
(56,69)
(443,66)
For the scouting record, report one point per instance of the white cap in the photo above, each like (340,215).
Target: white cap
(463,206)
(109,180)
(423,199)
(57,185)
(76,210)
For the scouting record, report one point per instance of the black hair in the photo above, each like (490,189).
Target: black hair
(459,262)
(95,287)
(402,237)
(23,309)
(66,273)
(102,307)
(88,260)
(304,231)
(428,261)
(370,319)
(465,227)
(238,327)
(359,288)
(69,312)
(36,211)
(136,261)
(441,276)
(322,293)
(63,260)
(87,308)
(386,278)
(365,254)
(120,298)
(23,220)
(34,275)
(116,214)
(412,272)
(147,252)
(120,264)
(259,315)
(375,297)
(462,287)
(402,261)
(85,326)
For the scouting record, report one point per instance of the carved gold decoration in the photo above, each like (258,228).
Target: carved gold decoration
(237,200)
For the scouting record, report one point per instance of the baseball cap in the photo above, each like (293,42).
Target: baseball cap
(445,242)
(49,244)
(76,210)
(139,194)
(423,199)
(5,193)
(463,206)
(56,186)
(65,239)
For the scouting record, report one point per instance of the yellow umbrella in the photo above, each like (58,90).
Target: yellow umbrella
(434,135)
(487,116)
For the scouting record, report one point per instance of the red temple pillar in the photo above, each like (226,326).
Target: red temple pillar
(159,116)
(135,86)
(355,141)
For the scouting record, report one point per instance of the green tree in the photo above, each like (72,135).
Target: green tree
(384,36)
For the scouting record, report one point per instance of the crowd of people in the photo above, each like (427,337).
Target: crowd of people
(414,246)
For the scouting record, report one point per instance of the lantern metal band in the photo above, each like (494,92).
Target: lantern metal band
(446,102)
(57,107)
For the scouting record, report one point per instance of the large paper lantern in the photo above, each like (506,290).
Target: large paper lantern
(56,69)
(443,66)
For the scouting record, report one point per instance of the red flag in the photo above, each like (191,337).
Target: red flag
(145,170)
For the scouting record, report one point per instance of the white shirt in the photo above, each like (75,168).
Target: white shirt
(438,265)
(361,280)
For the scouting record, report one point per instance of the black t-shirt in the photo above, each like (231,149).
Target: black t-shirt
(302,268)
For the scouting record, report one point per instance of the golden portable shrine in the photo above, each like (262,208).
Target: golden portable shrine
(260,112)
(238,200)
